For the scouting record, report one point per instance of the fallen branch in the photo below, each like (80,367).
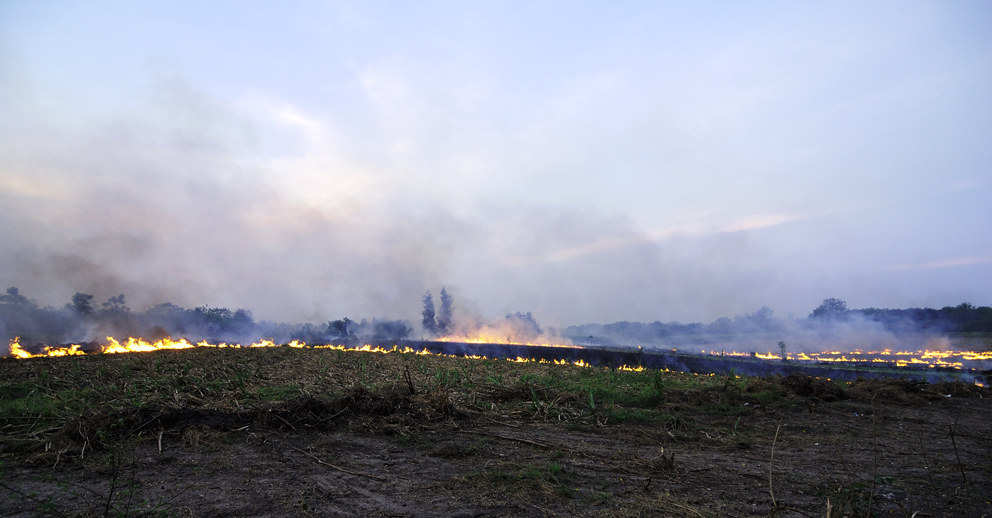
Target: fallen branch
(342,470)
(283,420)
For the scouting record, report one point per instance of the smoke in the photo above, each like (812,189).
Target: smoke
(166,204)
(180,197)
(760,331)
(162,206)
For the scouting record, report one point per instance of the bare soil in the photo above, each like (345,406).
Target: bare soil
(506,447)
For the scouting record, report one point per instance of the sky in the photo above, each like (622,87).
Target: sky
(585,161)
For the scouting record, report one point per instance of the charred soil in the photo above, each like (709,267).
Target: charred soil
(303,432)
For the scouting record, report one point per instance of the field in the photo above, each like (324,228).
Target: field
(308,432)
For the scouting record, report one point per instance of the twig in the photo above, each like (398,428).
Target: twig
(511,425)
(687,508)
(645,488)
(736,472)
(328,464)
(505,437)
(967,490)
(874,456)
(409,380)
(285,421)
(771,463)
(926,462)
(42,506)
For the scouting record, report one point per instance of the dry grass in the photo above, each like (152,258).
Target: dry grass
(550,439)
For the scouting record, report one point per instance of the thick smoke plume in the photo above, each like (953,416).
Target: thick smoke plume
(180,197)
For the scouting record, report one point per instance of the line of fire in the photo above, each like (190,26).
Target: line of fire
(923,365)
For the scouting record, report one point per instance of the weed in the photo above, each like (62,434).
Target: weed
(274,393)
(447,377)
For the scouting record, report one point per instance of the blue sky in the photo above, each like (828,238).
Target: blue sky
(585,161)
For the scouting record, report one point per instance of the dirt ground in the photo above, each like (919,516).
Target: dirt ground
(877,449)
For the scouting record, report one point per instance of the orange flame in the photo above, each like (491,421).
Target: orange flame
(18,352)
(920,358)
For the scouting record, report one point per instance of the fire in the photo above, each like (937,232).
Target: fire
(490,338)
(138,345)
(920,358)
(901,358)
(18,352)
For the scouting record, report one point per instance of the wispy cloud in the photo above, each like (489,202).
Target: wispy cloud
(615,242)
(949,263)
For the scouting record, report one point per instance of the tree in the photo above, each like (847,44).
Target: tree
(831,308)
(82,303)
(339,328)
(116,304)
(524,324)
(429,324)
(390,329)
(14,297)
(444,315)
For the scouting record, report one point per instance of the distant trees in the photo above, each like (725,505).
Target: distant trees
(830,308)
(963,318)
(524,324)
(438,323)
(340,328)
(82,303)
(81,319)
(14,297)
(390,329)
(428,322)
(444,322)
(116,304)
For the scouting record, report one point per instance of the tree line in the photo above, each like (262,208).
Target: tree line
(963,318)
(81,319)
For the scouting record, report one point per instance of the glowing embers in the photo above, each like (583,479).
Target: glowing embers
(921,358)
(577,363)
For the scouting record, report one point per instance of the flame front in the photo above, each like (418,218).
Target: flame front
(18,352)
(928,358)
(920,358)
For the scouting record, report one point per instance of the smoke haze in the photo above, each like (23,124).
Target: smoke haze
(587,182)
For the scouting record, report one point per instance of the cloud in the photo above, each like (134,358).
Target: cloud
(948,263)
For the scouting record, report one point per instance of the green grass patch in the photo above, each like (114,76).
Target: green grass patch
(274,393)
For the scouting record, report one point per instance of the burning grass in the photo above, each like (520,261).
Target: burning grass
(502,436)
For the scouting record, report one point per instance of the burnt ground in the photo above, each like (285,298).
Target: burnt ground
(506,447)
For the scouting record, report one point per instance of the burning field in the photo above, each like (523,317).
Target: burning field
(414,428)
(920,365)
